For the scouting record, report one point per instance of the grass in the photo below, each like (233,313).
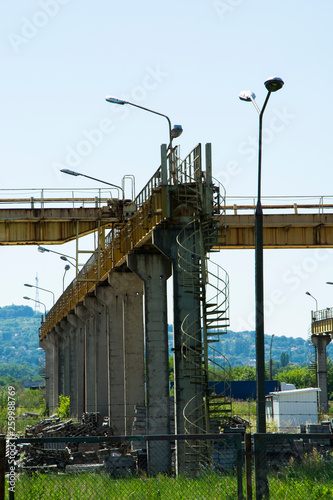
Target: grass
(210,486)
(311,479)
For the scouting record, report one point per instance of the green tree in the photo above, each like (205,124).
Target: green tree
(300,376)
(244,373)
(284,359)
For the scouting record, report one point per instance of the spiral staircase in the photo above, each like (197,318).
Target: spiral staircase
(207,368)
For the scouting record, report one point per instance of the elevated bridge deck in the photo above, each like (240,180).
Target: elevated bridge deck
(124,227)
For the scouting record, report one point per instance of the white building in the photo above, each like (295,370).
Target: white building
(290,408)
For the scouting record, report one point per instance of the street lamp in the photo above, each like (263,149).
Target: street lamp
(43,250)
(272,85)
(314,298)
(174,132)
(39,288)
(37,301)
(66,259)
(67,267)
(76,174)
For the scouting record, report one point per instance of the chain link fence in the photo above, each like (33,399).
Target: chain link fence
(216,466)
(135,467)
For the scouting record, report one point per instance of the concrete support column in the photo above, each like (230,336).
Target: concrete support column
(154,270)
(98,345)
(53,341)
(62,330)
(113,301)
(320,342)
(61,359)
(89,357)
(45,345)
(184,304)
(129,289)
(77,357)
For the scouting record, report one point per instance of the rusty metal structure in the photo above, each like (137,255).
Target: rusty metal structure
(95,343)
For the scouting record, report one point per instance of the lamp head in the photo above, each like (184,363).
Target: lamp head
(176,131)
(69,172)
(67,267)
(308,293)
(247,95)
(274,83)
(115,100)
(42,249)
(27,284)
(27,298)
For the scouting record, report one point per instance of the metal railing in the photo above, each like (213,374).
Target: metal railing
(61,198)
(322,314)
(282,204)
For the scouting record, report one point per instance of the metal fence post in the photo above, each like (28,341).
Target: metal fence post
(2,465)
(260,466)
(239,468)
(248,466)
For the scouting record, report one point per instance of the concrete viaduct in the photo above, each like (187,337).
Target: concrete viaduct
(106,338)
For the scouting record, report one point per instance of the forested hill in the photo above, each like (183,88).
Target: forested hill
(20,356)
(240,349)
(19,353)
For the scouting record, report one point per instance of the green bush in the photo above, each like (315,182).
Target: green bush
(64,406)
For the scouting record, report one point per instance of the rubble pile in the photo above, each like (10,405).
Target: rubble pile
(116,460)
(54,427)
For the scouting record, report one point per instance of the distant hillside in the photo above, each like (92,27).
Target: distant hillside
(19,353)
(20,356)
(239,348)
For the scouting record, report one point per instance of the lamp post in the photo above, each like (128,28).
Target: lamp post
(37,302)
(314,298)
(174,132)
(271,360)
(39,288)
(272,85)
(67,268)
(262,491)
(76,174)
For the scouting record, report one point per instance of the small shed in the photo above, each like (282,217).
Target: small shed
(290,409)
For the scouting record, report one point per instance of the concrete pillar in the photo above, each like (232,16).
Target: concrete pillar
(130,291)
(185,303)
(53,341)
(154,270)
(45,345)
(87,316)
(62,330)
(320,342)
(113,301)
(99,349)
(77,357)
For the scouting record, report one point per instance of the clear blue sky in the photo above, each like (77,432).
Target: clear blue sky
(189,60)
